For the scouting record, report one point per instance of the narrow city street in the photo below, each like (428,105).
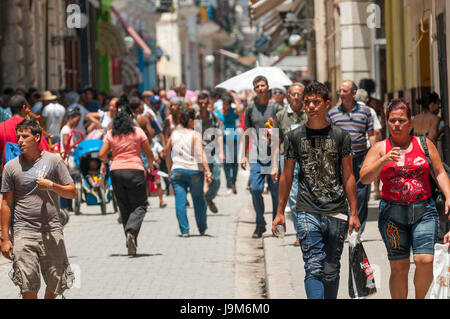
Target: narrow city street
(225,264)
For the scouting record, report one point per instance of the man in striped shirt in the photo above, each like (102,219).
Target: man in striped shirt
(357,119)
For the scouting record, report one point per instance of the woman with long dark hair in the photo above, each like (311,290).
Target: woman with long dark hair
(126,141)
(187,169)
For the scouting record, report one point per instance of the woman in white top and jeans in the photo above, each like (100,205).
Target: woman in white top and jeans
(187,169)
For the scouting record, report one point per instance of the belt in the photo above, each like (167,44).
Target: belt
(420,203)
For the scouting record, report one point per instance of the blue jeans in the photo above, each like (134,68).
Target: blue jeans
(362,191)
(408,225)
(292,201)
(231,164)
(215,183)
(257,178)
(182,179)
(321,240)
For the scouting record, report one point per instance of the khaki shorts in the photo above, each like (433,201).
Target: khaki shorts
(36,252)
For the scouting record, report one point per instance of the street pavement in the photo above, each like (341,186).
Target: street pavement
(167,266)
(225,264)
(285,266)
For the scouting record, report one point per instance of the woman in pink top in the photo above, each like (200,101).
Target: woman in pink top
(127,172)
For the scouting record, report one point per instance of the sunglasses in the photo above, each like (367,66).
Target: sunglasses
(278,93)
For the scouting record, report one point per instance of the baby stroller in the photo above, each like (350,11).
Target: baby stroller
(85,155)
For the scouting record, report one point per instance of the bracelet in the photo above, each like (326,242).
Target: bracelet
(50,186)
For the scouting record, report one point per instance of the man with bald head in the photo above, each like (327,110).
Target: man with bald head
(356,119)
(289,118)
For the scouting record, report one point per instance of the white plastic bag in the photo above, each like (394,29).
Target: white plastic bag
(441,272)
(361,282)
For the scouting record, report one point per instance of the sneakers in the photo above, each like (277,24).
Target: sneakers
(234,189)
(131,245)
(162,205)
(229,192)
(259,231)
(185,235)
(213,207)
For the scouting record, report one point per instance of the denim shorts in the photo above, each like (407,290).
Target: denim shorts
(408,225)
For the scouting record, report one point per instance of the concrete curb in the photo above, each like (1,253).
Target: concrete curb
(248,268)
(278,273)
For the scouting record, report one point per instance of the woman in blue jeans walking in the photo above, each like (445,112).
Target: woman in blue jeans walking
(229,114)
(188,167)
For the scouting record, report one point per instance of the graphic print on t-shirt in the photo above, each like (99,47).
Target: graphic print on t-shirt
(39,170)
(319,167)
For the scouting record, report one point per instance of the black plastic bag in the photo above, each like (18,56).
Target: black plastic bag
(361,281)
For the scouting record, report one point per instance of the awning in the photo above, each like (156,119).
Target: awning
(110,40)
(141,43)
(288,52)
(293,63)
(262,7)
(244,60)
(271,21)
(130,73)
(95,3)
(274,26)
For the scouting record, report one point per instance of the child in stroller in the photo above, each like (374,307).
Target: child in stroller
(95,177)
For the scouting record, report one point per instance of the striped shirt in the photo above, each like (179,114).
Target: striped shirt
(357,123)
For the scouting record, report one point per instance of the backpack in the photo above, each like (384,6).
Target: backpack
(438,196)
(11,151)
(252,106)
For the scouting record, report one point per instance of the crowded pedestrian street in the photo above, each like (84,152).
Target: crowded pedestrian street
(225,264)
(224,150)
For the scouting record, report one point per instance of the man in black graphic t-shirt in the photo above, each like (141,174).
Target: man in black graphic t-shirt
(325,185)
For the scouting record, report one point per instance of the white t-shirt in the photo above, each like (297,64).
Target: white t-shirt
(156,148)
(104,118)
(156,116)
(54,113)
(66,131)
(84,112)
(376,121)
(376,124)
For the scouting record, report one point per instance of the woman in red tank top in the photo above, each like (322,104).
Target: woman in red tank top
(408,217)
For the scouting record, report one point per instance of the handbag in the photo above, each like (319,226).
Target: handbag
(361,281)
(437,193)
(441,273)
